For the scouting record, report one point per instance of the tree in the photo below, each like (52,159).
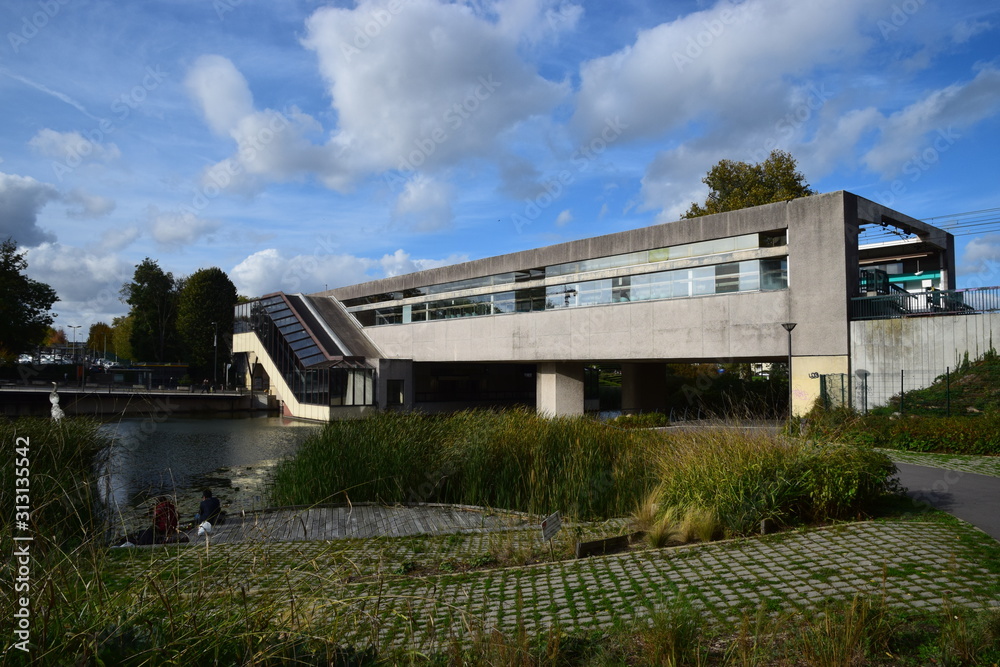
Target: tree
(55,338)
(152,295)
(122,336)
(736,185)
(99,337)
(24,304)
(205,319)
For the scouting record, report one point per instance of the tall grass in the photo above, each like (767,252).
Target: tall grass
(745,478)
(511,460)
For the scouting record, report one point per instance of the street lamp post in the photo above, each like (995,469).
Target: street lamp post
(215,352)
(74,327)
(788,326)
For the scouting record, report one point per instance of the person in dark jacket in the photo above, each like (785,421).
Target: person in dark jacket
(210,508)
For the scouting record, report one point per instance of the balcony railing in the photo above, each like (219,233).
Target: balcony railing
(936,302)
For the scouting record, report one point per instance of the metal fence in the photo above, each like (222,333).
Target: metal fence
(970,389)
(934,302)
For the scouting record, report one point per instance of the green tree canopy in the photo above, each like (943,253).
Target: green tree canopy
(735,185)
(24,304)
(205,319)
(122,336)
(100,338)
(152,296)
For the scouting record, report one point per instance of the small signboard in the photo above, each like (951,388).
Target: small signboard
(550,526)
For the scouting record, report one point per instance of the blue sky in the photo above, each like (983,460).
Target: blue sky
(301,145)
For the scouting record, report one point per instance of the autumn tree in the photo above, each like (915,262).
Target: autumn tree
(24,304)
(152,297)
(55,338)
(734,185)
(205,319)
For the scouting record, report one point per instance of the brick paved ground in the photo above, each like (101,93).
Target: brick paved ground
(402,590)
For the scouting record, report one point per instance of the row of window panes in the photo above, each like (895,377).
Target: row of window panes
(750,276)
(687,250)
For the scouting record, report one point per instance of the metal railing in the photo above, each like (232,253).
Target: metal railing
(935,302)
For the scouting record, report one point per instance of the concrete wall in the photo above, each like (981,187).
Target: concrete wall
(923,348)
(723,327)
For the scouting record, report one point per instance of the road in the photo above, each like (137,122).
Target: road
(968,496)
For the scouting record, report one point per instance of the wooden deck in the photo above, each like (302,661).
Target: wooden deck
(359,521)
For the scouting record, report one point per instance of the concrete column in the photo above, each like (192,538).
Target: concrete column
(644,387)
(559,389)
(805,378)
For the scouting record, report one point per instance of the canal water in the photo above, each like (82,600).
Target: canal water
(180,456)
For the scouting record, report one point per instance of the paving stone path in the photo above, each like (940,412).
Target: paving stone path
(915,565)
(980,465)
(367,588)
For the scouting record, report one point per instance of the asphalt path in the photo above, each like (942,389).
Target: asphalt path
(970,497)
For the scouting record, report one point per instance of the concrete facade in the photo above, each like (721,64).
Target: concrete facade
(819,242)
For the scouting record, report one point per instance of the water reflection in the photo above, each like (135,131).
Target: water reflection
(178,455)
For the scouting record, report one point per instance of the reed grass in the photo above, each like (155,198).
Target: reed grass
(746,477)
(512,460)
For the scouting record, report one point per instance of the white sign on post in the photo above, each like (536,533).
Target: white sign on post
(550,526)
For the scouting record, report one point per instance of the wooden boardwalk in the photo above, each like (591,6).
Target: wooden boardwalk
(358,521)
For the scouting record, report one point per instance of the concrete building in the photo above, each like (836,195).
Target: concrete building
(522,327)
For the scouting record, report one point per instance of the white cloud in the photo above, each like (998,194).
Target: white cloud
(980,263)
(174,229)
(436,84)
(87,282)
(271,270)
(271,144)
(722,62)
(21,198)
(84,205)
(118,238)
(72,147)
(934,122)
(221,91)
(400,263)
(534,20)
(424,204)
(564,218)
(966,30)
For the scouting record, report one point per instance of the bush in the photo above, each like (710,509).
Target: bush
(944,435)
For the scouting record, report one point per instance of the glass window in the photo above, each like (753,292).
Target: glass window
(562,296)
(727,278)
(621,289)
(749,276)
(774,239)
(703,280)
(774,274)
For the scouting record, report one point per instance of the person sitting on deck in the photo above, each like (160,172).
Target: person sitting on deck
(164,528)
(210,509)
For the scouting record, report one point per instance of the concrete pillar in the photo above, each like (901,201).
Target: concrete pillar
(559,389)
(805,378)
(644,387)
